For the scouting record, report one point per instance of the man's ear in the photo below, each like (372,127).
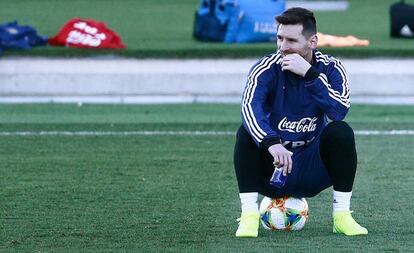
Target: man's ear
(313,41)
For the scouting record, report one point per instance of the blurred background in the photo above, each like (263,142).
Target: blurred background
(164,28)
(163,62)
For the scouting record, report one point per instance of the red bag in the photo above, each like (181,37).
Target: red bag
(86,33)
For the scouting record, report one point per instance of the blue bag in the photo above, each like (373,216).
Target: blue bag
(210,22)
(13,35)
(237,21)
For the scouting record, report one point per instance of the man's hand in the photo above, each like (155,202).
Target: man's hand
(281,157)
(296,64)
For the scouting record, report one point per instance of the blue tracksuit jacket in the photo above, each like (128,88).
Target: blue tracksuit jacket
(279,106)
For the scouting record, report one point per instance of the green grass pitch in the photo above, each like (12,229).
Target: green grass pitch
(178,193)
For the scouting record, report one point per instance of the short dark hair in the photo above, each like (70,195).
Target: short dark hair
(299,16)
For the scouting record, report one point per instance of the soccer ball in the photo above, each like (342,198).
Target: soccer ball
(285,213)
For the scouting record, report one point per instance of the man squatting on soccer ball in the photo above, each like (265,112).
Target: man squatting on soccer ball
(289,97)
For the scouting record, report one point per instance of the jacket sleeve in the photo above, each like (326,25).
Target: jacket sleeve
(330,90)
(254,117)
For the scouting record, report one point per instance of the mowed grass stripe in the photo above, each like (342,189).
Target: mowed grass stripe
(171,133)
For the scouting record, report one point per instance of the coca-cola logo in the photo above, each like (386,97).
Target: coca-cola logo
(301,126)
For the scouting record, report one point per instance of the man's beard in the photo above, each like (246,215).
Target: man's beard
(284,53)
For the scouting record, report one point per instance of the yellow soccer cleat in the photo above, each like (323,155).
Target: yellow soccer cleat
(248,224)
(343,223)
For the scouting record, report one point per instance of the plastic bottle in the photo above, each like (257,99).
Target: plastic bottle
(278,179)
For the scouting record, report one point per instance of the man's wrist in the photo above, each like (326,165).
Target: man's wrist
(270,141)
(311,74)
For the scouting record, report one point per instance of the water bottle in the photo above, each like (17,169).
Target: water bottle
(278,179)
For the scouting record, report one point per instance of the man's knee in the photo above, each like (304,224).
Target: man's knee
(338,132)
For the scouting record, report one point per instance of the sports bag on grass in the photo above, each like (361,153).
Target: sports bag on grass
(402,20)
(86,33)
(13,35)
(237,21)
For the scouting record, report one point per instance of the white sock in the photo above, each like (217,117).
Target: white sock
(341,201)
(249,201)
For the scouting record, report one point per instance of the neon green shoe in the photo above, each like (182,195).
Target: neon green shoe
(248,224)
(343,223)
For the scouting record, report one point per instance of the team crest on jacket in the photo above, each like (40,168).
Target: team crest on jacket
(301,126)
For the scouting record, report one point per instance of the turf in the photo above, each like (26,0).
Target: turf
(164,28)
(178,193)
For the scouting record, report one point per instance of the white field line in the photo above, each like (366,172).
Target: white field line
(170,133)
(115,133)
